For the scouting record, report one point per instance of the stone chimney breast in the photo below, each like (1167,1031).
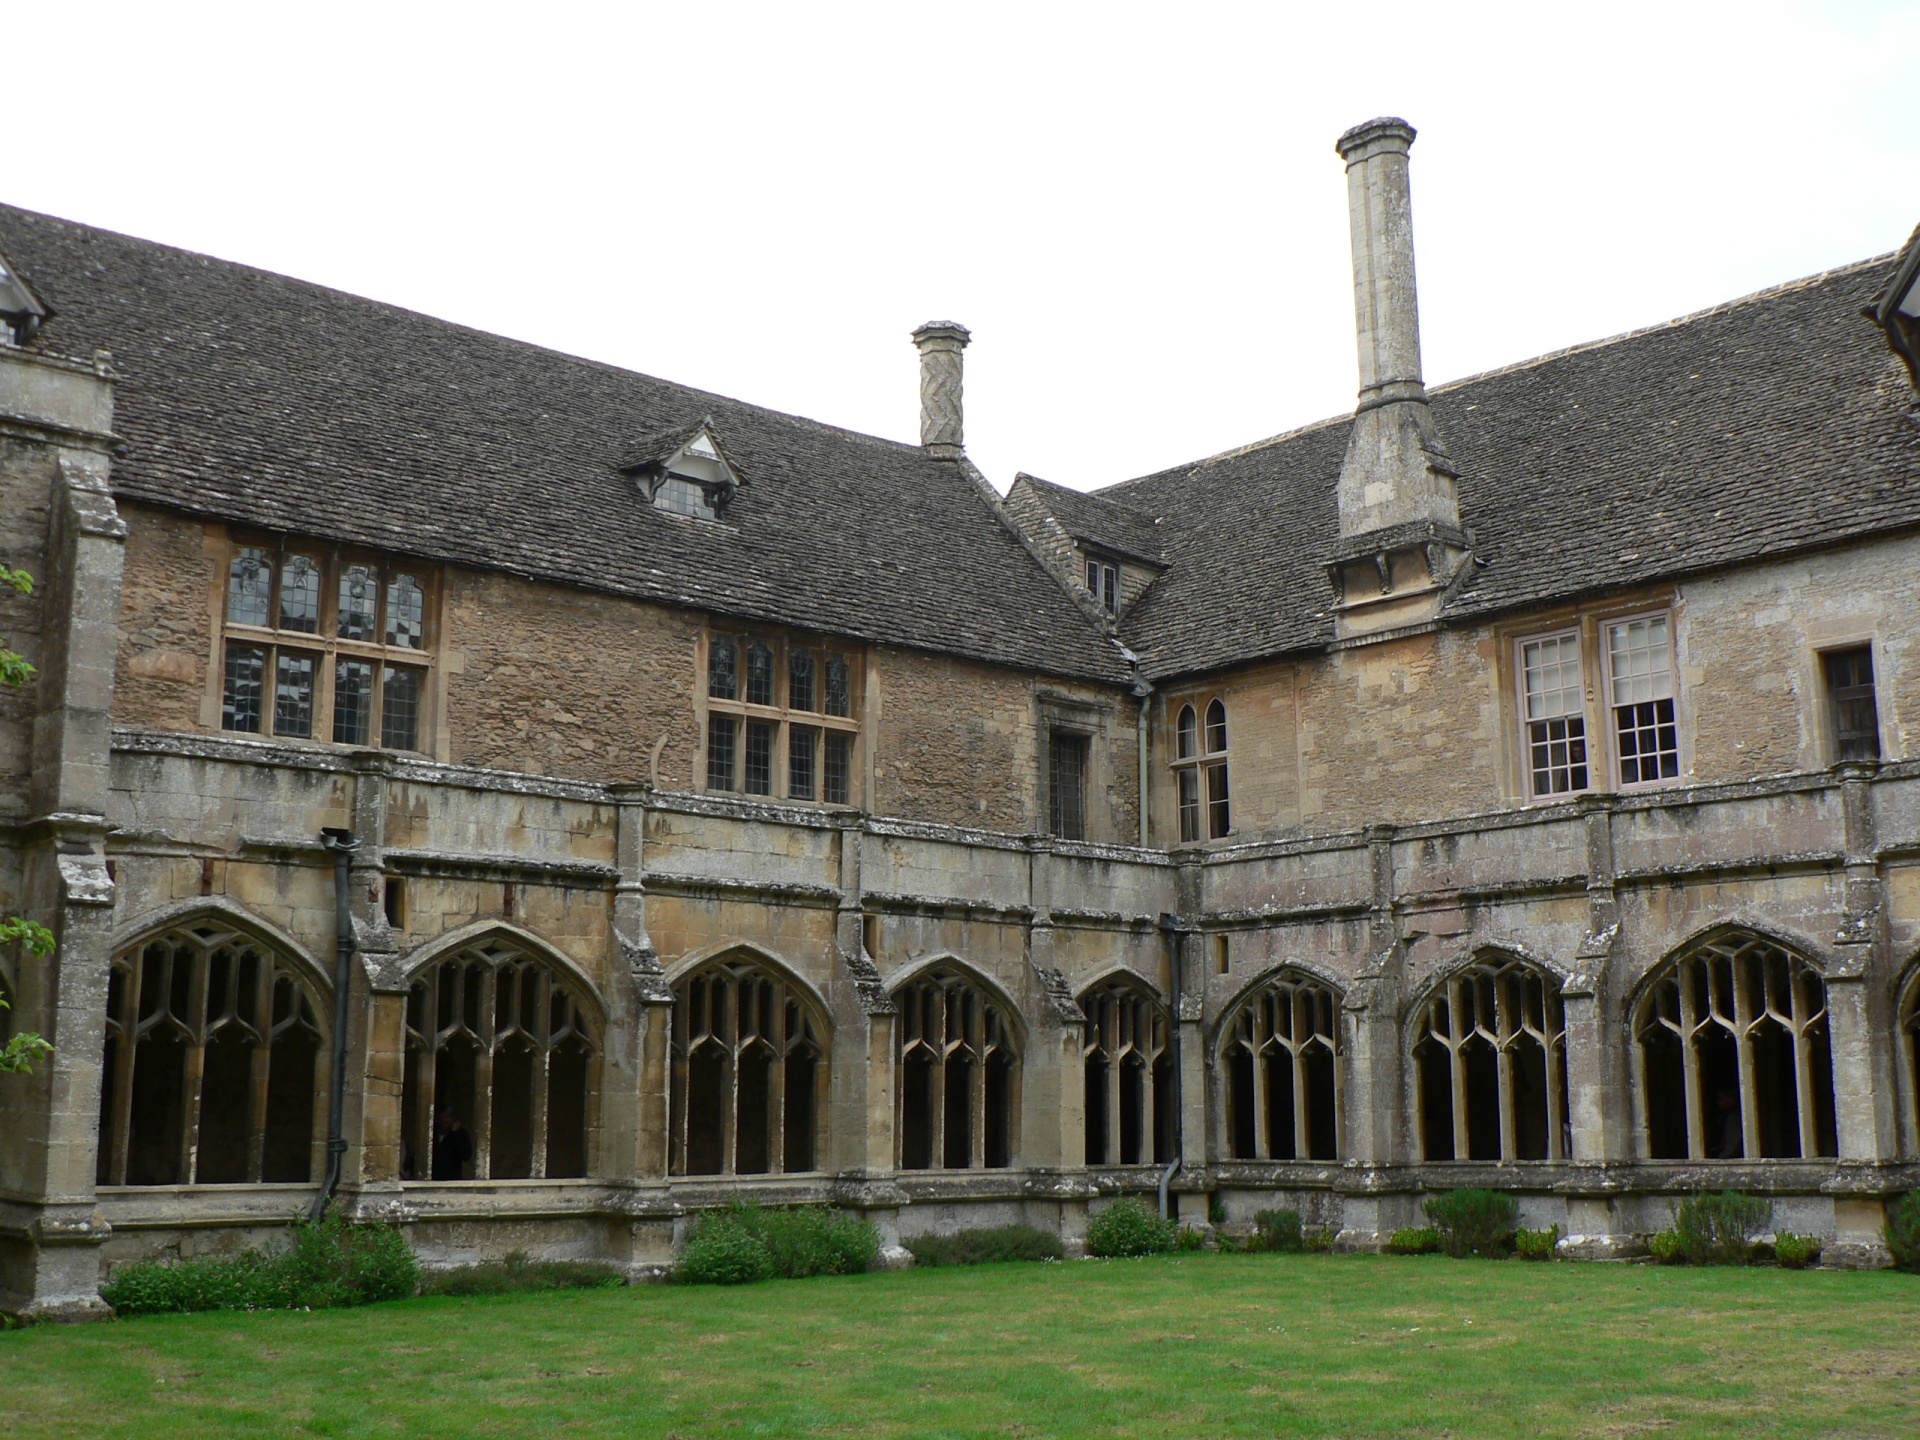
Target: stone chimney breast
(942,431)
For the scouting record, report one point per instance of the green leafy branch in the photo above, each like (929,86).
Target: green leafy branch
(19,1053)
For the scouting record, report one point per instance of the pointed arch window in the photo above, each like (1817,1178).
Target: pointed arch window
(1490,1053)
(215,1059)
(1129,1076)
(749,1083)
(1200,762)
(1281,1056)
(1910,1038)
(959,1076)
(1735,1055)
(498,1047)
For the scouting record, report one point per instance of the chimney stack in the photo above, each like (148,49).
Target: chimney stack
(1396,470)
(940,343)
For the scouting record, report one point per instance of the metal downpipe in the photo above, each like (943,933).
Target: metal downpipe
(341,844)
(1170,927)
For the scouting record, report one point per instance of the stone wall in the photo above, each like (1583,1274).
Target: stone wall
(166,621)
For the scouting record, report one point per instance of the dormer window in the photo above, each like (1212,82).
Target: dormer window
(1103,581)
(686,472)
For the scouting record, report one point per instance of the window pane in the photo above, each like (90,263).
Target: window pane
(247,585)
(1187,733)
(352,702)
(800,679)
(1856,712)
(359,598)
(803,742)
(1557,755)
(1552,670)
(293,694)
(1188,781)
(723,680)
(1216,728)
(1218,820)
(401,689)
(1066,788)
(406,613)
(1110,587)
(1641,661)
(684,497)
(246,676)
(759,766)
(1649,743)
(759,674)
(837,784)
(721,730)
(300,595)
(1555,721)
(839,688)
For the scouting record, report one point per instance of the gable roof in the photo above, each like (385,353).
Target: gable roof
(251,397)
(1100,520)
(1773,424)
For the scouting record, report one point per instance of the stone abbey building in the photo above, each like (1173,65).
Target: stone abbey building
(1506,785)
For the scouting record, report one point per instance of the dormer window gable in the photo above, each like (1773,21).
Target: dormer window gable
(686,471)
(22,311)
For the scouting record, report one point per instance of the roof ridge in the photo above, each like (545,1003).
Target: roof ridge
(1787,287)
(377,304)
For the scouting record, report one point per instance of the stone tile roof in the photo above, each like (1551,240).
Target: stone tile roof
(1101,521)
(256,398)
(1770,425)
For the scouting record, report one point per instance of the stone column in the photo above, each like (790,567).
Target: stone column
(1376,1100)
(57,417)
(940,343)
(1052,1145)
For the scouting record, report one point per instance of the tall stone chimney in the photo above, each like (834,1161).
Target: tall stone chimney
(941,430)
(1399,516)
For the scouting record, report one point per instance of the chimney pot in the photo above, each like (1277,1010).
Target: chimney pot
(941,412)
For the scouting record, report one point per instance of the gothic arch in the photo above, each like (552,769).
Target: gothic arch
(1906,1020)
(957,1047)
(215,1053)
(974,975)
(1738,926)
(503,1054)
(1278,1050)
(1127,1055)
(219,909)
(748,1061)
(1733,1053)
(760,955)
(1487,1041)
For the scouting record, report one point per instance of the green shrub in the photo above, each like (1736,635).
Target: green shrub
(323,1266)
(1278,1230)
(1216,1210)
(985,1247)
(1424,1240)
(1474,1222)
(1126,1227)
(809,1240)
(517,1273)
(1320,1239)
(1903,1231)
(1666,1249)
(1190,1239)
(1720,1229)
(1796,1252)
(1536,1244)
(723,1251)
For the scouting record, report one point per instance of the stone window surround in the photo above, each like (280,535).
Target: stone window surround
(223,543)
(1201,763)
(1590,623)
(1094,720)
(780,714)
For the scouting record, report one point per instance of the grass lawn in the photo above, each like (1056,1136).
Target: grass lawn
(1190,1346)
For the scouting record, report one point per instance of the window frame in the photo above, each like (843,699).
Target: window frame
(1603,657)
(1082,740)
(1198,770)
(1831,701)
(1102,578)
(1576,632)
(327,647)
(781,715)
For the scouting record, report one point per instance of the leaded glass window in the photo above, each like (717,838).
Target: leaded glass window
(723,661)
(721,733)
(803,744)
(839,768)
(406,613)
(803,751)
(758,772)
(249,581)
(1067,784)
(359,603)
(800,679)
(400,707)
(759,673)
(1201,799)
(300,594)
(293,694)
(839,687)
(245,686)
(352,702)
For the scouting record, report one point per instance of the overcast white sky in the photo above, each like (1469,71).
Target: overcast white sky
(1137,208)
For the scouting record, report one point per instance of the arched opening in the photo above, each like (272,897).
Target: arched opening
(1736,1056)
(959,1075)
(1128,1074)
(749,1077)
(1281,1054)
(500,1069)
(213,1065)
(1490,1062)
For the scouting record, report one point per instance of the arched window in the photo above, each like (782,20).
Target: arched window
(498,1046)
(215,1062)
(959,1075)
(1736,1062)
(1490,1052)
(1129,1072)
(1910,1036)
(1281,1055)
(749,1073)
(1200,773)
